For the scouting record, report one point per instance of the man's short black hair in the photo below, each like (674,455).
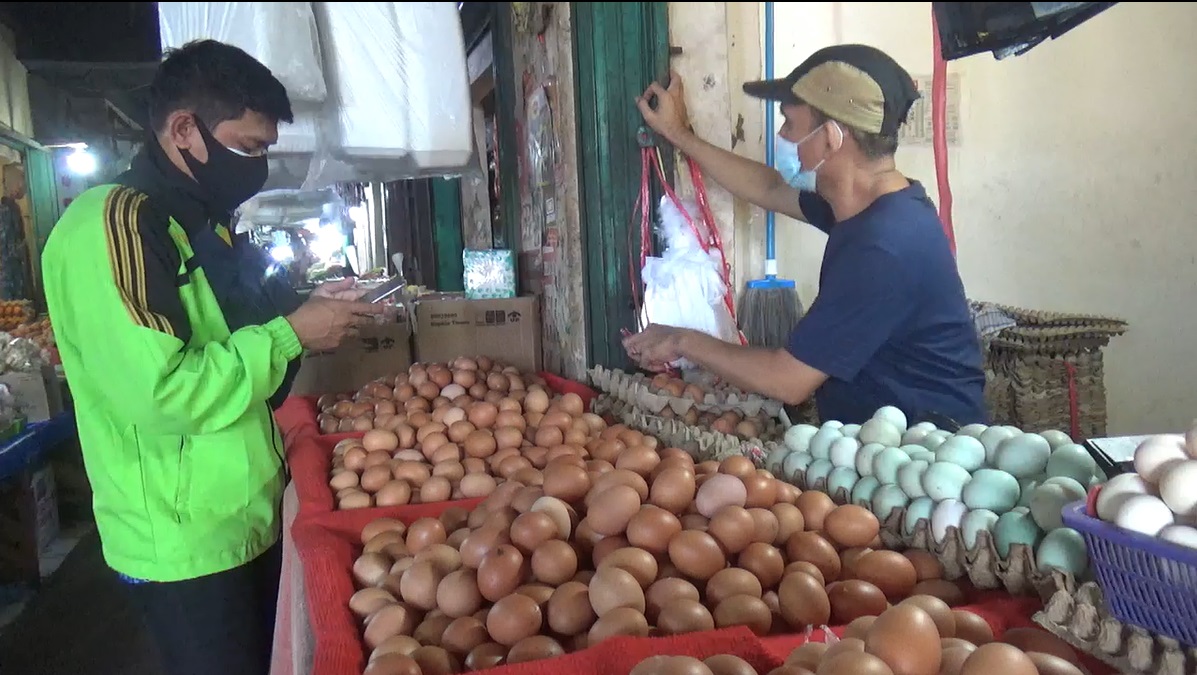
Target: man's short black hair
(218,82)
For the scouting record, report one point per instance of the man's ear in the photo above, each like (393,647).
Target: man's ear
(180,129)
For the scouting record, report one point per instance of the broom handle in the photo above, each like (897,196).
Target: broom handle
(770,146)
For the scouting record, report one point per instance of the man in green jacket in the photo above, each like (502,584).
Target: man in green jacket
(171,394)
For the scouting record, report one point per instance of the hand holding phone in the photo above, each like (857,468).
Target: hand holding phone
(392,286)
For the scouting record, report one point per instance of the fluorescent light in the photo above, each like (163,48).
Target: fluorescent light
(282,253)
(81,162)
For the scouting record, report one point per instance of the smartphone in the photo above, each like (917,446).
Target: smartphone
(389,288)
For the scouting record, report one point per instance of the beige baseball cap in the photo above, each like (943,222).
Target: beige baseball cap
(858,85)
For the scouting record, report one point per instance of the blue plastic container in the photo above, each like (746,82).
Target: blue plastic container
(1147,582)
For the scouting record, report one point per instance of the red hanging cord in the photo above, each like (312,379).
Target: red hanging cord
(650,158)
(939,136)
(1074,402)
(641,207)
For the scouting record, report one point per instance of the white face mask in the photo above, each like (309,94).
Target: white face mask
(789,165)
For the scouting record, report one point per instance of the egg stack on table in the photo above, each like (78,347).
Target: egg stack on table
(997,479)
(589,531)
(1159,499)
(918,636)
(620,537)
(443,432)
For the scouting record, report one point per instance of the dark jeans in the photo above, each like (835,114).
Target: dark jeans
(220,624)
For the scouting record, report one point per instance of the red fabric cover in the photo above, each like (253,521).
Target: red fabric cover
(329,543)
(297,415)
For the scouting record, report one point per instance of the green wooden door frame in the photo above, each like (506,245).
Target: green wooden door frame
(618,49)
(446,233)
(507,98)
(40,183)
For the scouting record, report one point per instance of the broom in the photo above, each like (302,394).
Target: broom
(769,307)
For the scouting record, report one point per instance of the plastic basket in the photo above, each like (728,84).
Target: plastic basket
(1147,582)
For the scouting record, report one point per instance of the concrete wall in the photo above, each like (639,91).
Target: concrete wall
(1071,173)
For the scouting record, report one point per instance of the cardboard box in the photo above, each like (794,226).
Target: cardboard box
(508,330)
(380,350)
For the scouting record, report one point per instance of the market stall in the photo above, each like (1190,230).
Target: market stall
(460,515)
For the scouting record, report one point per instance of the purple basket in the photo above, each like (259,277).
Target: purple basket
(1147,582)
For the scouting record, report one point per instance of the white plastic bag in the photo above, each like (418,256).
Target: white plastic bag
(398,93)
(282,35)
(684,287)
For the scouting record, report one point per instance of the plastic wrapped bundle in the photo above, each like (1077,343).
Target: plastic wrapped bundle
(282,35)
(398,87)
(302,136)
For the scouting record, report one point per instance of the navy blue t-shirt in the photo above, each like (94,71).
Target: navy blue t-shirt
(891,324)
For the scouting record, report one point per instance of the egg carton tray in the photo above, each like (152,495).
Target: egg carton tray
(1017,574)
(773,429)
(1053,340)
(1035,317)
(637,389)
(702,444)
(1079,617)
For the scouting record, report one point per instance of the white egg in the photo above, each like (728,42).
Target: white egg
(914,435)
(1178,487)
(864,458)
(991,438)
(843,451)
(892,415)
(798,437)
(1154,455)
(973,430)
(948,513)
(1180,534)
(1056,437)
(1116,491)
(880,430)
(1146,514)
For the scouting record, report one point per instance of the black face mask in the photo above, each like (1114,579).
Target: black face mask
(228,178)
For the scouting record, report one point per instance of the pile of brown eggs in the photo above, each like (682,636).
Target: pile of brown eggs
(422,392)
(617,538)
(461,448)
(919,636)
(732,423)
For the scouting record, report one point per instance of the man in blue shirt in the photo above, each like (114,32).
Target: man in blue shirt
(891,324)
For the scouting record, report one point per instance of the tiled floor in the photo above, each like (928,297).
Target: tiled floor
(13,599)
